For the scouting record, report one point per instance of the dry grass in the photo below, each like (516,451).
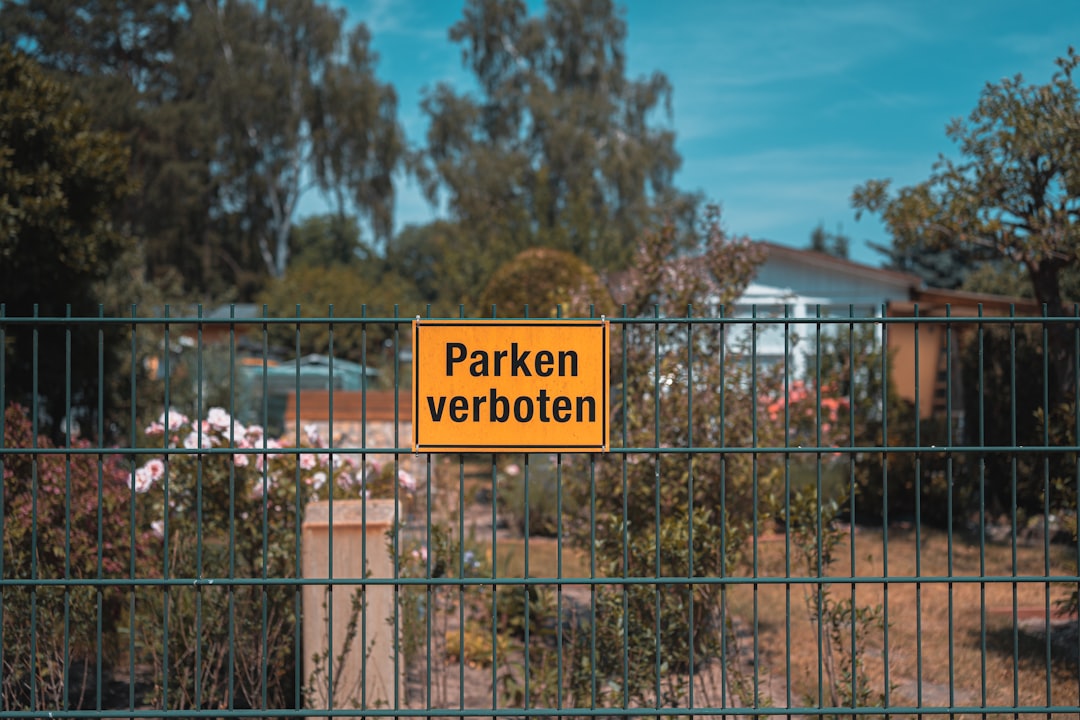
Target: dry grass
(543,559)
(936,630)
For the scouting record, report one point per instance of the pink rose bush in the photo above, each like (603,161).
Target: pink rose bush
(226,501)
(261,463)
(799,409)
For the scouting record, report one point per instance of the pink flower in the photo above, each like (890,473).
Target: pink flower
(143,480)
(154,429)
(254,435)
(261,459)
(175,420)
(218,419)
(512,470)
(156,467)
(312,433)
(347,480)
(307,461)
(407,481)
(193,440)
(240,460)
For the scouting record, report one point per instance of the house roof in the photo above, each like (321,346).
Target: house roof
(932,302)
(832,263)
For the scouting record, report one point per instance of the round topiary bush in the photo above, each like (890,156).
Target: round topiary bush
(547,279)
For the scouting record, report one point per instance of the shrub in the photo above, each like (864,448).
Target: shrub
(65,516)
(543,516)
(546,280)
(232,515)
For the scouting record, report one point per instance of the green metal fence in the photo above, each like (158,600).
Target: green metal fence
(799,516)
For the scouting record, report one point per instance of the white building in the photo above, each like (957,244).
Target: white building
(799,284)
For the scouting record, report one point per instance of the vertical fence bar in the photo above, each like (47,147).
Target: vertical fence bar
(1013,508)
(887,683)
(950,500)
(34,518)
(982,503)
(432,591)
(99,560)
(396,559)
(852,557)
(525,573)
(494,571)
(133,515)
(1046,410)
(363,501)
(592,567)
(330,514)
(690,588)
(625,519)
(786,390)
(755,528)
(724,618)
(656,495)
(918,521)
(65,704)
(824,650)
(165,527)
(199,492)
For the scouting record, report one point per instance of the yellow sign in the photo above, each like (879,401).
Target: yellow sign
(510,385)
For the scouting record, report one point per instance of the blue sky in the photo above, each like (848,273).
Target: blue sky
(780,108)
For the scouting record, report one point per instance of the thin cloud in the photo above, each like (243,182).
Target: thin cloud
(732,47)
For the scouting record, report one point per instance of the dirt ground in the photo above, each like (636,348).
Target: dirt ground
(961,643)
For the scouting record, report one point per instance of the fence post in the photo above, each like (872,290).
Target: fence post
(358,531)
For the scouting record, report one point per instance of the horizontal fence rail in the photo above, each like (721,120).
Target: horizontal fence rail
(803,512)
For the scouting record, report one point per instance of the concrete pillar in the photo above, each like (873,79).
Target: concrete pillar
(360,683)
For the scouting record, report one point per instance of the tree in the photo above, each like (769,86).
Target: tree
(433,260)
(558,148)
(296,99)
(1014,191)
(60,183)
(327,240)
(823,241)
(353,291)
(122,60)
(231,111)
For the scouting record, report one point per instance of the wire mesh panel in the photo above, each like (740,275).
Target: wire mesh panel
(799,515)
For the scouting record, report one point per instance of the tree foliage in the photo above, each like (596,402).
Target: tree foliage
(1013,193)
(352,292)
(558,148)
(232,111)
(297,97)
(60,183)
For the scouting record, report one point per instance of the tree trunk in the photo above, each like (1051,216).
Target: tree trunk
(1046,283)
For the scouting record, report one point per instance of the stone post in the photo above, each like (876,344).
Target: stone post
(357,531)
